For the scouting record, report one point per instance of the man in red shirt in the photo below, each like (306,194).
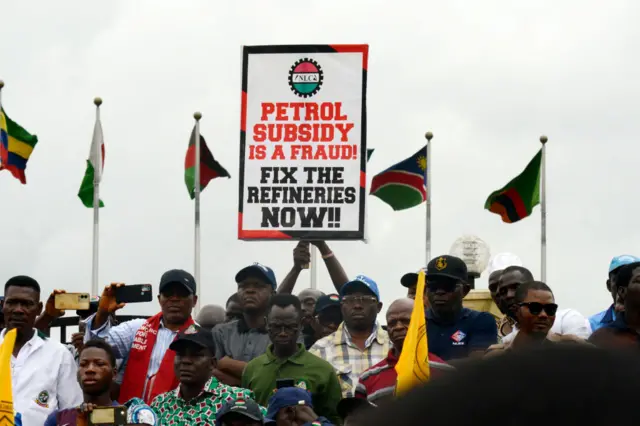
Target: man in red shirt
(378,383)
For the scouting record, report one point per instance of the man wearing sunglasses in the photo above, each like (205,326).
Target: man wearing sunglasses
(535,312)
(455,331)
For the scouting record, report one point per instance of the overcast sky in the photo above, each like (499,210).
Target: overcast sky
(488,78)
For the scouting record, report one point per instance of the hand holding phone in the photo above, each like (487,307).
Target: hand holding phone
(135,293)
(284,383)
(71,301)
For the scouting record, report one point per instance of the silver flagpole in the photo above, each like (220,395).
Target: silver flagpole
(1,86)
(196,191)
(543,211)
(97,175)
(428,136)
(313,270)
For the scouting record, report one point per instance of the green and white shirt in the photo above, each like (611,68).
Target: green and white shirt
(173,410)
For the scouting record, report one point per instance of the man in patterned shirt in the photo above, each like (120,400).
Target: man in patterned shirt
(199,396)
(360,342)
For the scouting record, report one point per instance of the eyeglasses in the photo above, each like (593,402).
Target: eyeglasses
(363,300)
(287,328)
(536,308)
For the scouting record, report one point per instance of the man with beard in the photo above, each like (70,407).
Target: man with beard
(378,383)
(142,344)
(567,321)
(96,373)
(238,342)
(359,342)
(454,331)
(535,312)
(43,370)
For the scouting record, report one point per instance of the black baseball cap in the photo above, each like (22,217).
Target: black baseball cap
(348,406)
(245,407)
(326,301)
(194,334)
(178,276)
(410,279)
(447,266)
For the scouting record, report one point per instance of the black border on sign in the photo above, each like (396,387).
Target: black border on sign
(273,235)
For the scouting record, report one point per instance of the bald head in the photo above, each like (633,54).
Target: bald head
(398,320)
(210,316)
(310,293)
(400,306)
(308,298)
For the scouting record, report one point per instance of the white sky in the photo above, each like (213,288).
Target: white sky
(488,78)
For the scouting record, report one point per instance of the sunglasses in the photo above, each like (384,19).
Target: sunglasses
(448,286)
(536,308)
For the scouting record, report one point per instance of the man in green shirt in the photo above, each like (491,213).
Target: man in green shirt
(287,359)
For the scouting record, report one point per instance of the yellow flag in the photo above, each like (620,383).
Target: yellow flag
(6,395)
(413,365)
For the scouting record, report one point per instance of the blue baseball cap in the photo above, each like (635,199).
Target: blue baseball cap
(287,397)
(359,281)
(258,270)
(622,260)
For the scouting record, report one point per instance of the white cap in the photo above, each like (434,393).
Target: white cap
(503,260)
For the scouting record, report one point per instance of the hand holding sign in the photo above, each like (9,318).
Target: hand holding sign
(302,255)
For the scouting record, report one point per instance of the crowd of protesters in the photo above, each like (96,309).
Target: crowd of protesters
(269,357)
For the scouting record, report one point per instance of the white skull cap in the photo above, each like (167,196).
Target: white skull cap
(503,260)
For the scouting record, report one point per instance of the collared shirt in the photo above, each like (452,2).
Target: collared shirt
(308,372)
(201,410)
(239,342)
(379,382)
(470,331)
(44,379)
(121,338)
(568,321)
(349,360)
(602,319)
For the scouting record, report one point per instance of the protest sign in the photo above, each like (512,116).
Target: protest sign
(303,151)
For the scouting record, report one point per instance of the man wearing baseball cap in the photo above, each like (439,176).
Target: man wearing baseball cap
(410,281)
(360,341)
(293,406)
(199,395)
(453,330)
(608,316)
(141,344)
(240,341)
(326,318)
(240,413)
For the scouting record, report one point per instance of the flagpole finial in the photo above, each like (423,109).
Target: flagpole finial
(197,115)
(97,101)
(1,84)
(428,136)
(543,139)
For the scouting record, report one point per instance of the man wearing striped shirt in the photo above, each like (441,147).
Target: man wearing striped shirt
(360,341)
(143,344)
(378,383)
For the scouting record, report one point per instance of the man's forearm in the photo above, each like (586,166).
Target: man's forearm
(289,282)
(232,367)
(336,271)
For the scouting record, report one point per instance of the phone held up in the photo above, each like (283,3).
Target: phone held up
(284,383)
(72,301)
(135,293)
(108,416)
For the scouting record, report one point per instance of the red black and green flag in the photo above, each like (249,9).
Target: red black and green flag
(518,198)
(209,167)
(404,184)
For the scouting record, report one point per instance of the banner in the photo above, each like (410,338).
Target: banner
(303,151)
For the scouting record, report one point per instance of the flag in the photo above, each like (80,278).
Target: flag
(209,167)
(518,198)
(6,396)
(403,185)
(95,166)
(413,364)
(16,146)
(370,153)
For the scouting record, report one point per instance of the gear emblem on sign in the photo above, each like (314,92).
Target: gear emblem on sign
(305,77)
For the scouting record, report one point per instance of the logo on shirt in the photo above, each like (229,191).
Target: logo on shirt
(441,263)
(458,337)
(43,399)
(302,384)
(191,330)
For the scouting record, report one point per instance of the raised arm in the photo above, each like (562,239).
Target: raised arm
(301,257)
(336,272)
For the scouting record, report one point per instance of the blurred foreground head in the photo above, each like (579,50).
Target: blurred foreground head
(563,385)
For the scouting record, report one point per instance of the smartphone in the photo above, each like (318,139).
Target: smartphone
(108,416)
(72,301)
(284,383)
(135,293)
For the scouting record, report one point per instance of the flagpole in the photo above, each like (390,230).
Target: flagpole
(428,136)
(97,174)
(543,211)
(313,269)
(196,192)
(1,86)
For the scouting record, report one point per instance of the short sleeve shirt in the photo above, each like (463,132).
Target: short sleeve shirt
(470,331)
(239,342)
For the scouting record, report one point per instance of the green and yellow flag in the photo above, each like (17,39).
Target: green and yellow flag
(6,395)
(413,365)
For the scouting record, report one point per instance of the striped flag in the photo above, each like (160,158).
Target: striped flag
(7,416)
(95,165)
